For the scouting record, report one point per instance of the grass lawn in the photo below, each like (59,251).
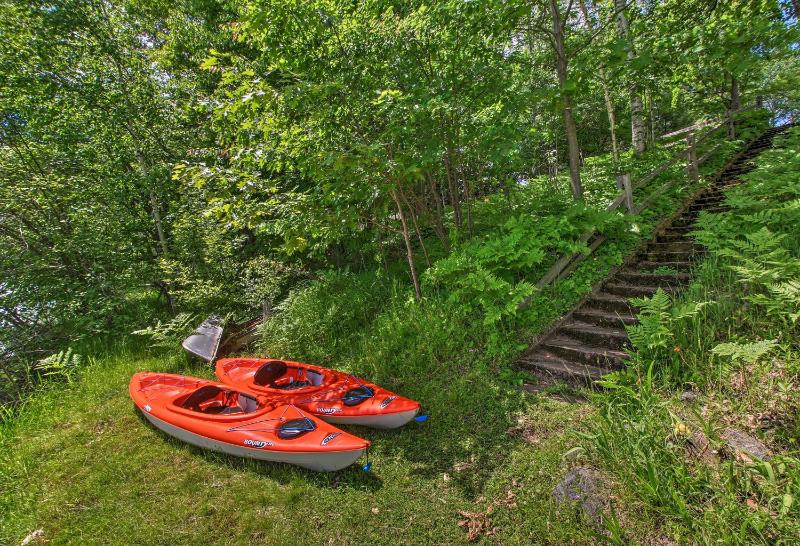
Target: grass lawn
(80,463)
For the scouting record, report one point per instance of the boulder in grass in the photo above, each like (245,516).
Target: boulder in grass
(744,446)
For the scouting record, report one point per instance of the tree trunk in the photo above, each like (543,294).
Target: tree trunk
(438,214)
(638,127)
(612,118)
(162,240)
(409,251)
(569,120)
(455,199)
(413,212)
(796,6)
(734,104)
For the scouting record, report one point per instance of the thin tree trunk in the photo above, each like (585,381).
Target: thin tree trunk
(796,5)
(455,200)
(413,212)
(569,120)
(612,118)
(162,240)
(438,214)
(638,128)
(409,251)
(734,104)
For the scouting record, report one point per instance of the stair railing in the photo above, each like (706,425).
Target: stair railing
(567,263)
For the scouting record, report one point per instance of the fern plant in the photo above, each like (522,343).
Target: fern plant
(168,335)
(61,365)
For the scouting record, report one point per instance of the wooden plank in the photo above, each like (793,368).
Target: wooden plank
(580,257)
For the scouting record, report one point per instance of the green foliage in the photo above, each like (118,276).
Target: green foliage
(489,274)
(739,353)
(745,352)
(169,334)
(62,365)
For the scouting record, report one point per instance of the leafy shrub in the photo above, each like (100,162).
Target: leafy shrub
(492,274)
(169,334)
(62,365)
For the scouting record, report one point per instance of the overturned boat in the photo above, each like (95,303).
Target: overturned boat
(222,418)
(334,396)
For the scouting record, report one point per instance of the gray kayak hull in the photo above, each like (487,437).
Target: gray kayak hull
(327,461)
(384,421)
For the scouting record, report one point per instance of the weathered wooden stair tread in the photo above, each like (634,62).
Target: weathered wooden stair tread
(552,366)
(600,316)
(590,341)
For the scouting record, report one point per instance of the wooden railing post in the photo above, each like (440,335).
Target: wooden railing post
(692,168)
(624,184)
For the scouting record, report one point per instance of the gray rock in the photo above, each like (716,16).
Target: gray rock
(689,397)
(699,447)
(745,446)
(582,485)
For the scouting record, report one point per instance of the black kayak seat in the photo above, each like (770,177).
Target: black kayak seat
(269,372)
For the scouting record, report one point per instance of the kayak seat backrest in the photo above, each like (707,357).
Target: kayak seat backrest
(247,403)
(201,396)
(216,401)
(268,373)
(316,378)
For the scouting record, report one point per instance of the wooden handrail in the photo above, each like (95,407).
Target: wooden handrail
(568,262)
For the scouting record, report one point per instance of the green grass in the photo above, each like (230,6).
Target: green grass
(79,462)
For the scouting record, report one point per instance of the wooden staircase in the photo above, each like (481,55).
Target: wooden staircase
(591,340)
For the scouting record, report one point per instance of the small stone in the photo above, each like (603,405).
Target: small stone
(582,484)
(699,447)
(689,397)
(38,533)
(375,510)
(446,477)
(745,446)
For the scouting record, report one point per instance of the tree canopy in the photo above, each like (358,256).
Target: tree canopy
(216,151)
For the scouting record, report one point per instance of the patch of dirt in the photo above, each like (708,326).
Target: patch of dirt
(479,524)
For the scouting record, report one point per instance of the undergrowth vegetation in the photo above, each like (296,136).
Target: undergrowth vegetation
(721,357)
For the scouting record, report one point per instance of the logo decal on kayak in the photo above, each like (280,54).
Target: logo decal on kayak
(328,411)
(327,439)
(257,443)
(387,401)
(147,408)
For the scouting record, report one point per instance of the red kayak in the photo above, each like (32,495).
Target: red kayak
(334,396)
(221,418)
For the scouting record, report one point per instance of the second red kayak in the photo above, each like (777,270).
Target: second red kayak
(334,396)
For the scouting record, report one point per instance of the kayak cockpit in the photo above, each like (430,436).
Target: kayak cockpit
(276,374)
(212,400)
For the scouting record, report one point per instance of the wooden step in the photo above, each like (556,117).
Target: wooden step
(669,256)
(672,246)
(549,365)
(632,290)
(601,317)
(680,266)
(598,336)
(673,237)
(610,303)
(683,221)
(573,350)
(651,279)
